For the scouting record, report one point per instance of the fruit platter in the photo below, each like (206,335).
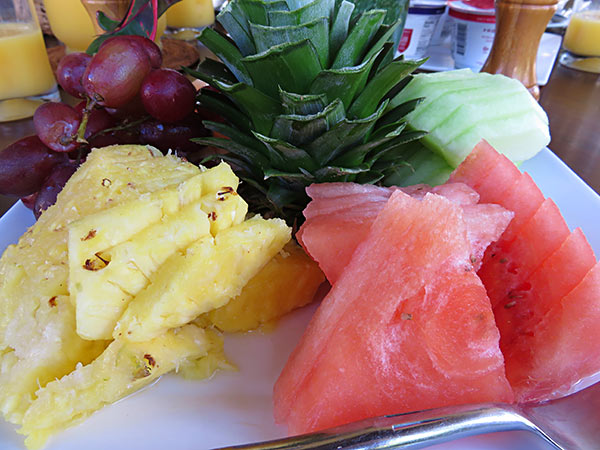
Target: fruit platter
(311,234)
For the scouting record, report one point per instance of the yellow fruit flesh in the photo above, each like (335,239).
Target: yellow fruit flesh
(206,276)
(50,377)
(121,369)
(113,253)
(103,282)
(37,340)
(288,281)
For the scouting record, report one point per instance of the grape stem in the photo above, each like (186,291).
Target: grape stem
(89,105)
(123,126)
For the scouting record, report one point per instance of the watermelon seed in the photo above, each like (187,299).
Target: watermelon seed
(503,260)
(406,316)
(510,304)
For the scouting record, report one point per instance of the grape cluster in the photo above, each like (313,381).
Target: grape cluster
(127,98)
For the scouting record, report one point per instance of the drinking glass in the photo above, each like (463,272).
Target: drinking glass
(73,22)
(70,23)
(186,18)
(26,78)
(582,39)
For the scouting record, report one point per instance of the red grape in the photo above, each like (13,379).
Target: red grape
(29,200)
(132,110)
(173,136)
(25,164)
(149,47)
(52,186)
(70,72)
(124,136)
(115,74)
(167,95)
(56,125)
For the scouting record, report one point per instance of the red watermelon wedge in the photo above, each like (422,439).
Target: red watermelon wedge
(407,326)
(542,282)
(340,215)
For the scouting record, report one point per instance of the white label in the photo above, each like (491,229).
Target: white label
(420,28)
(471,43)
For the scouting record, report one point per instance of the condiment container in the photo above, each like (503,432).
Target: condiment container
(473,28)
(421,22)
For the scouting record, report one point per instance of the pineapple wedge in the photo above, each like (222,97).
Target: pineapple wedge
(103,282)
(206,276)
(288,281)
(221,201)
(205,366)
(113,253)
(38,342)
(121,369)
(49,348)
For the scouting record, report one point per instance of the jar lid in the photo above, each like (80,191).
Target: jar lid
(427,3)
(479,7)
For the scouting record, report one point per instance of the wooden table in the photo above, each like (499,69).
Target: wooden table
(571,99)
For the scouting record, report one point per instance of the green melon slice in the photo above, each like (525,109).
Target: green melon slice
(460,108)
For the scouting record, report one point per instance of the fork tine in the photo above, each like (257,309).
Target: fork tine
(573,422)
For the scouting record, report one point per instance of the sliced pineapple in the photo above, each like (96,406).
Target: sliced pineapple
(109,227)
(221,201)
(224,208)
(102,283)
(205,366)
(113,253)
(49,349)
(38,342)
(219,177)
(206,276)
(121,369)
(288,281)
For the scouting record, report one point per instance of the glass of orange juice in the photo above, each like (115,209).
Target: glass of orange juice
(70,23)
(186,18)
(582,39)
(26,78)
(73,22)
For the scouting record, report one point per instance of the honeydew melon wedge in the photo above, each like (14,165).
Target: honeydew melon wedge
(460,108)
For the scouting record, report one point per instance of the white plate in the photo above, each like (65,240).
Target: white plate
(440,58)
(235,407)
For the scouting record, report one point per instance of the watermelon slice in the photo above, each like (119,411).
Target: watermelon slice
(340,215)
(407,326)
(538,277)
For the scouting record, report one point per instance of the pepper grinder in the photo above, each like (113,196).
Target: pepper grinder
(519,28)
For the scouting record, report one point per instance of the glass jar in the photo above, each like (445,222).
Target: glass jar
(26,78)
(581,43)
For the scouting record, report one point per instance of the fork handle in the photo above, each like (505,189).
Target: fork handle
(411,430)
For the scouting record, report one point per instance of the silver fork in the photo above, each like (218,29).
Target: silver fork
(569,423)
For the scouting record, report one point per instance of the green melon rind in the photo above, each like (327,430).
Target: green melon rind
(422,166)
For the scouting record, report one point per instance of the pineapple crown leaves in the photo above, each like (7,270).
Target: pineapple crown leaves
(304,87)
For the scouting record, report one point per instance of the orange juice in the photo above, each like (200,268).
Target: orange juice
(24,67)
(70,23)
(191,14)
(73,25)
(583,34)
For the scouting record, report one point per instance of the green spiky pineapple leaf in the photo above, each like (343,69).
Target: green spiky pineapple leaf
(304,89)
